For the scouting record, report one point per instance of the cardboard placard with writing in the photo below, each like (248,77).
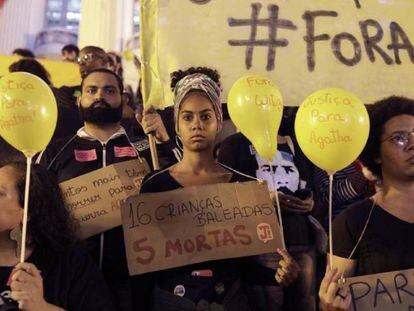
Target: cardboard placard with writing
(196,224)
(94,198)
(382,292)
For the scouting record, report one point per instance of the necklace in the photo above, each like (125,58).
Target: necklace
(342,280)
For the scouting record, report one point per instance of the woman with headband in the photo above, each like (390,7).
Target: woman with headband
(208,285)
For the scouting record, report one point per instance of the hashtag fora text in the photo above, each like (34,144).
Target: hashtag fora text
(372,33)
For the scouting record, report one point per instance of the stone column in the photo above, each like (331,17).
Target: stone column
(105,23)
(20,21)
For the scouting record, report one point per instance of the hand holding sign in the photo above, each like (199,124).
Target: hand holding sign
(289,269)
(331,296)
(197,224)
(332,127)
(28,112)
(27,288)
(255,106)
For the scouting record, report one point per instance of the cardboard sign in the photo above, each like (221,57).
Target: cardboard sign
(196,224)
(365,47)
(94,198)
(383,292)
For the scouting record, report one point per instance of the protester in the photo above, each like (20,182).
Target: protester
(375,235)
(56,274)
(92,148)
(92,58)
(198,119)
(115,63)
(32,66)
(101,142)
(289,173)
(70,53)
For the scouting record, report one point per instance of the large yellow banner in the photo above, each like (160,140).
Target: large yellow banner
(61,73)
(363,46)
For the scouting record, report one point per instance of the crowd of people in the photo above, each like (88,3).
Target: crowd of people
(102,122)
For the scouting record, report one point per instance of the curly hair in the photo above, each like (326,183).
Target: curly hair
(70,48)
(50,224)
(179,74)
(32,66)
(380,112)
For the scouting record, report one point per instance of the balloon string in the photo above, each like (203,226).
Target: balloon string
(25,210)
(330,221)
(279,211)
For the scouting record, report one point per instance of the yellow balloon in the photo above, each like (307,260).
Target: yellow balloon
(255,107)
(332,127)
(28,112)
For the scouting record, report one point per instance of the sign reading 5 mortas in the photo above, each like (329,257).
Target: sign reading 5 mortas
(383,292)
(365,47)
(196,224)
(94,198)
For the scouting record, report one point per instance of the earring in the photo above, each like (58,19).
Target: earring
(16,235)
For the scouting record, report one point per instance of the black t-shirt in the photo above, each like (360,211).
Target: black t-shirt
(70,280)
(387,245)
(160,181)
(225,272)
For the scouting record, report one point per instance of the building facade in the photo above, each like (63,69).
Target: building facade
(45,26)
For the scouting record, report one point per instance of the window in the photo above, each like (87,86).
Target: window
(63,13)
(135,21)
